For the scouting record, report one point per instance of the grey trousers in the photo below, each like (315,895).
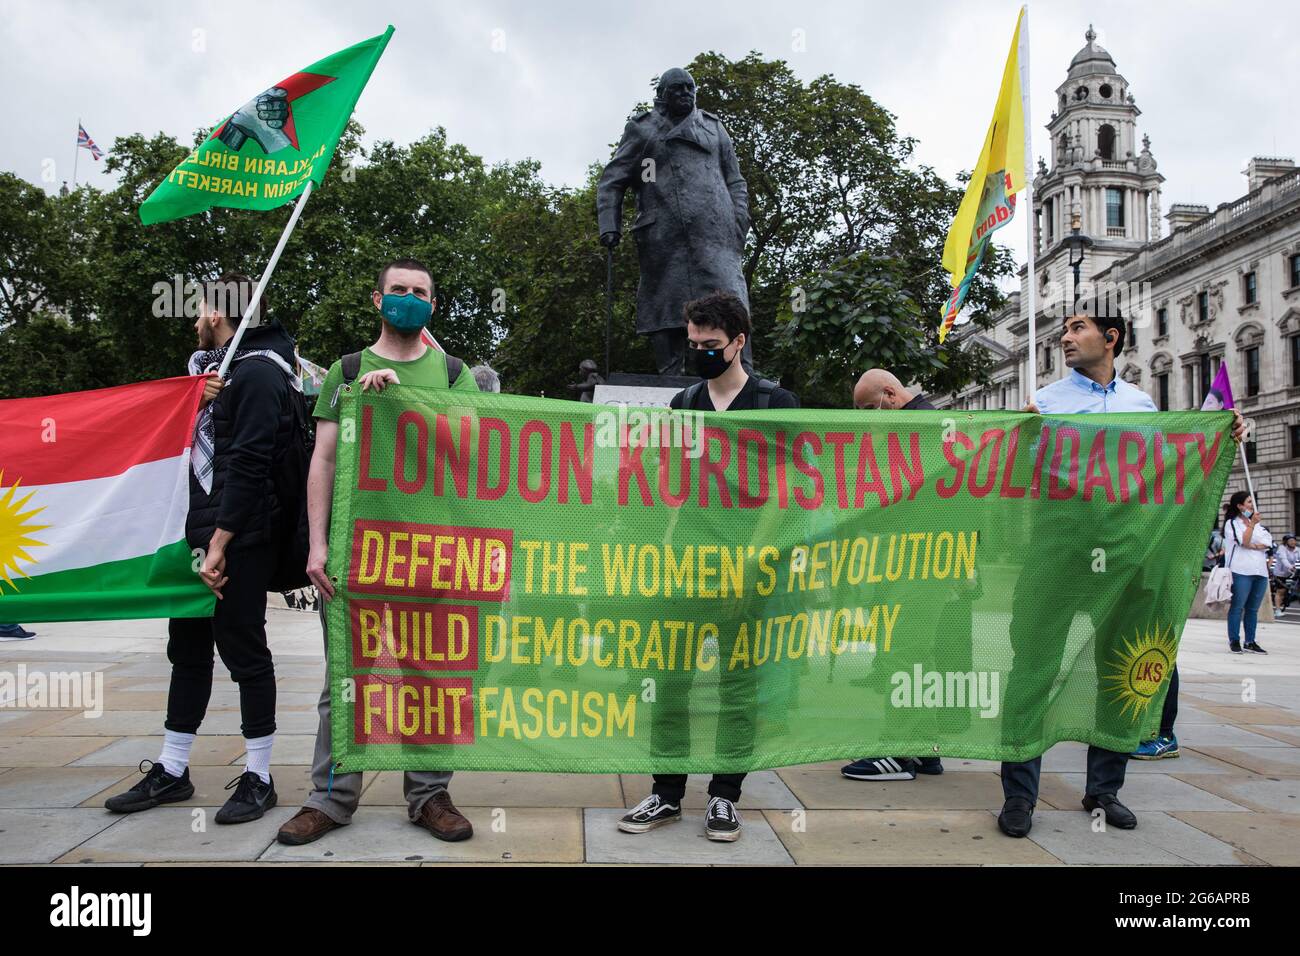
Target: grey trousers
(338,798)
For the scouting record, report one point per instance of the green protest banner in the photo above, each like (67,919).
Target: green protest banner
(530,584)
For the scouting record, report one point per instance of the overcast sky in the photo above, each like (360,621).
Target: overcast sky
(554,80)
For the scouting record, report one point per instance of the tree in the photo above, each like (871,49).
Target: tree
(858,314)
(556,281)
(838,205)
(831,190)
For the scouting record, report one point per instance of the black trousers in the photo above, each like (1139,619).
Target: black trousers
(237,629)
(736,719)
(1170,712)
(672,786)
(1040,624)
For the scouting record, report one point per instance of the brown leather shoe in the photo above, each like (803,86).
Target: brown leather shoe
(306,826)
(441,818)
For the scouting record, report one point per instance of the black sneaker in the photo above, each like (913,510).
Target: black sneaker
(158,786)
(651,812)
(1234,647)
(883,768)
(251,799)
(1256,648)
(722,820)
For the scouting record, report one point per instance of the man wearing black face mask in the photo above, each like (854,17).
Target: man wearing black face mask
(717,328)
(717,331)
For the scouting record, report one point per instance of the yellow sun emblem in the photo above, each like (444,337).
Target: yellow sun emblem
(15,532)
(1141,668)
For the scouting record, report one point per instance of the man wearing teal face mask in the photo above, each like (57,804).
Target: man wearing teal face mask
(404,296)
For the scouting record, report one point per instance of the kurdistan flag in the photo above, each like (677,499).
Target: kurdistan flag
(262,155)
(990,199)
(94,490)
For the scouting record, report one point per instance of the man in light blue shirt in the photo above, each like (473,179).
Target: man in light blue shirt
(1091,340)
(1079,393)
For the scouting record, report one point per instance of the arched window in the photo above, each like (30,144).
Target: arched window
(1106,141)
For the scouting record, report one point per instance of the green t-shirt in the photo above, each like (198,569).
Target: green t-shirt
(429,371)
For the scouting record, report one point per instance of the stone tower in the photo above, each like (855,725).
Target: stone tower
(1099,172)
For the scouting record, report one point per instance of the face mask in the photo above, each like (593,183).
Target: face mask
(710,363)
(405,312)
(1247,514)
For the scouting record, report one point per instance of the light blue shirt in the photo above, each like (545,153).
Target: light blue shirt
(1077,394)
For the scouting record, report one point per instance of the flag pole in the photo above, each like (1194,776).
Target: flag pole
(76,155)
(1250,485)
(1031,370)
(233,344)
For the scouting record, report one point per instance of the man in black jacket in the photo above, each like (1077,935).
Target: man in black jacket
(235,521)
(879,388)
(718,328)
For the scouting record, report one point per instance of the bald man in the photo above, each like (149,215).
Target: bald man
(880,388)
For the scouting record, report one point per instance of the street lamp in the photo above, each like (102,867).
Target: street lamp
(1077,244)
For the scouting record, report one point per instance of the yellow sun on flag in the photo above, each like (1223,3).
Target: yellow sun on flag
(1142,667)
(15,532)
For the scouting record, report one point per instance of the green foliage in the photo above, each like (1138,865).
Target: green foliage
(844,222)
(555,285)
(857,314)
(839,208)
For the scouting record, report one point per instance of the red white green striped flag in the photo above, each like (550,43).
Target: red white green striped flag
(94,489)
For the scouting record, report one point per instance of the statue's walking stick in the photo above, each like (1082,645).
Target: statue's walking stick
(609,303)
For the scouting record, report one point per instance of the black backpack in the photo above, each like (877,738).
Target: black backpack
(761,401)
(289,477)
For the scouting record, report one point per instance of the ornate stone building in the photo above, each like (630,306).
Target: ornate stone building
(1223,286)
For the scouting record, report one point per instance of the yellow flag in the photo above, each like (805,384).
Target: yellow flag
(990,199)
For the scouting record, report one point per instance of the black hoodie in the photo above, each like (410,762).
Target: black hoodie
(252,423)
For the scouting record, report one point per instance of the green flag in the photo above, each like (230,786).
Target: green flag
(529,584)
(262,155)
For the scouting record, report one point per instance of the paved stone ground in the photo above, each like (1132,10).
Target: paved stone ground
(1232,798)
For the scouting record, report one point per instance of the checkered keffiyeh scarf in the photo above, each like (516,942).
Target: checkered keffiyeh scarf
(204,447)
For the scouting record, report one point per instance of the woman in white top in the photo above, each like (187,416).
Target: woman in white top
(1245,542)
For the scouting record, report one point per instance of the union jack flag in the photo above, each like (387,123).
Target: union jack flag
(85,142)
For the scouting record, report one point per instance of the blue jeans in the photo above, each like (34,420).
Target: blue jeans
(1248,592)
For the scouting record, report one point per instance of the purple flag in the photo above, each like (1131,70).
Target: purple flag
(1220,392)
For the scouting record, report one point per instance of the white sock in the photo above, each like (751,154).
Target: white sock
(175,756)
(258,758)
